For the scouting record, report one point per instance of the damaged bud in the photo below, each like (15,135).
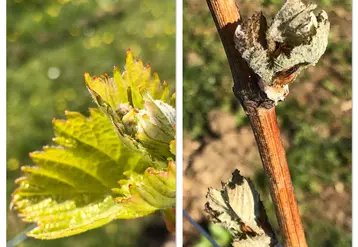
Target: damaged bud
(296,39)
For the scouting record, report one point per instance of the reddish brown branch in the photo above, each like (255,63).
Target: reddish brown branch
(267,135)
(262,115)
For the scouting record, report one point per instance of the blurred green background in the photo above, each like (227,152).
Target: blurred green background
(50,44)
(316,118)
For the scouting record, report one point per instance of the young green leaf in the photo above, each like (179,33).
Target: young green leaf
(75,187)
(96,175)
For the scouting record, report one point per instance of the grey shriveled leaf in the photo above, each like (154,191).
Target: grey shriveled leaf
(238,208)
(296,39)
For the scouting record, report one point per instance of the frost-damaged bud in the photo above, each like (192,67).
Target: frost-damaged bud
(296,39)
(238,208)
(139,106)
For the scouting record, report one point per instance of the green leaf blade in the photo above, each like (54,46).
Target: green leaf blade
(74,188)
(71,188)
(101,171)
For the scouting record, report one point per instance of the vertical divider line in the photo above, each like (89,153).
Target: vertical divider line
(3,121)
(354,122)
(179,122)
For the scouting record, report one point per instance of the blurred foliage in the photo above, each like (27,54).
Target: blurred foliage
(221,236)
(207,80)
(315,120)
(50,44)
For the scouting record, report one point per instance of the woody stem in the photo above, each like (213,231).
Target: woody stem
(262,115)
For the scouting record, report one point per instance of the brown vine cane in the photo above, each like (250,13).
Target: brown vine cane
(262,115)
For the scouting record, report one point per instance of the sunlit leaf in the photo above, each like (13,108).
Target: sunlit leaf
(74,187)
(116,164)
